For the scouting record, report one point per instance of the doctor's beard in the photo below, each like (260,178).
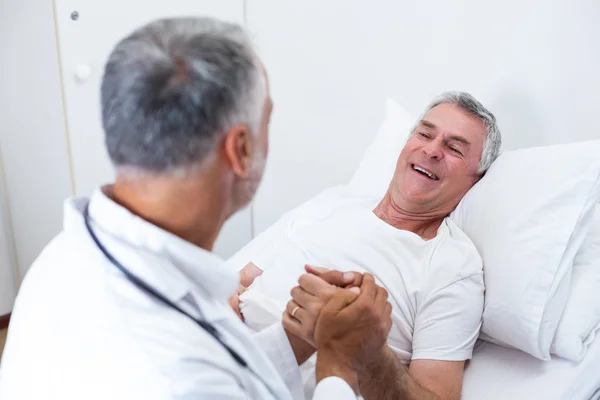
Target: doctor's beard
(257,169)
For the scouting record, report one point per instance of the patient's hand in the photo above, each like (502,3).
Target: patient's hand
(248,274)
(234,301)
(314,290)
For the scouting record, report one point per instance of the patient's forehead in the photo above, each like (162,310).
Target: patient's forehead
(450,119)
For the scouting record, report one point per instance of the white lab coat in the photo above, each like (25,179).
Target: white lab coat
(81,330)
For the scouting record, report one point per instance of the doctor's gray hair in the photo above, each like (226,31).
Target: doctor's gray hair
(173,88)
(493,140)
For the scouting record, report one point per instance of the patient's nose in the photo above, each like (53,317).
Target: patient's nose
(433,150)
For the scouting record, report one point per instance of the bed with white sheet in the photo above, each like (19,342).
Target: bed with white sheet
(535,221)
(499,373)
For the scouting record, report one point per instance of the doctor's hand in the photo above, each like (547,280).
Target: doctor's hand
(309,298)
(351,331)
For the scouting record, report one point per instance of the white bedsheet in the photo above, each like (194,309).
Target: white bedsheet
(499,373)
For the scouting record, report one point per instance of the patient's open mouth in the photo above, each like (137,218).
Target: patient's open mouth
(425,172)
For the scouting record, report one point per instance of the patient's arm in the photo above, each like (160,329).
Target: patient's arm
(387,378)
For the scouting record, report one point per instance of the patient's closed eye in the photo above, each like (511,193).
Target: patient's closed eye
(454,149)
(425,135)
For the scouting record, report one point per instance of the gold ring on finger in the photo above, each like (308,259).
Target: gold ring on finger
(294,310)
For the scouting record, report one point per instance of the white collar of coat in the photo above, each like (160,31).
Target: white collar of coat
(184,268)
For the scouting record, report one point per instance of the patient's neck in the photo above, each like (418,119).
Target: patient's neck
(424,224)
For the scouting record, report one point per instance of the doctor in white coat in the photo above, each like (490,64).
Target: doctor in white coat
(128,302)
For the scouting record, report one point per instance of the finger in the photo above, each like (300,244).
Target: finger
(368,288)
(311,269)
(388,319)
(292,325)
(381,300)
(338,302)
(305,299)
(316,286)
(354,278)
(342,279)
(334,277)
(355,290)
(300,313)
(388,310)
(234,303)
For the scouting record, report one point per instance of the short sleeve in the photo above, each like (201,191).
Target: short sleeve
(447,324)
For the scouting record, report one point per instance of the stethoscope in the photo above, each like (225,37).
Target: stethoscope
(144,287)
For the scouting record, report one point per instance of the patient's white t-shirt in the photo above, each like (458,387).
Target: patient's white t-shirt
(435,286)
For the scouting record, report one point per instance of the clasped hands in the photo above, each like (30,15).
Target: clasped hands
(328,304)
(345,316)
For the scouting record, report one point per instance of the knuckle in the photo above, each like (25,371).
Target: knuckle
(374,313)
(384,292)
(365,308)
(303,279)
(287,325)
(290,306)
(318,307)
(327,292)
(294,291)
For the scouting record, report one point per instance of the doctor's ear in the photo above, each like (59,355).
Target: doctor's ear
(238,149)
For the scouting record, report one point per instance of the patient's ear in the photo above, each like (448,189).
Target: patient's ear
(238,149)
(477,177)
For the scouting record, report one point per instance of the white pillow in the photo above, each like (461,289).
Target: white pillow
(524,216)
(377,166)
(580,321)
(528,217)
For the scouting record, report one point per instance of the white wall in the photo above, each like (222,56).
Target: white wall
(332,63)
(32,129)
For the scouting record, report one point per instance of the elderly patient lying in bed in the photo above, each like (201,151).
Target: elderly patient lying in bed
(430,268)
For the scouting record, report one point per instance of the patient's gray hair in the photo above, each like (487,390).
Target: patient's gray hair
(173,88)
(493,140)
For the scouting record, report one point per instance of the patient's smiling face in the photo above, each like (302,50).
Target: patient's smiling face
(439,162)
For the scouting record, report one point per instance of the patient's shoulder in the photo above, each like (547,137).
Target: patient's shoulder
(455,257)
